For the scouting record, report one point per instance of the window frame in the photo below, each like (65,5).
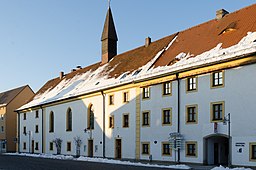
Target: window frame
(69,146)
(111,99)
(167,90)
(191,143)
(126,97)
(252,157)
(36,129)
(24,146)
(148,148)
(24,130)
(90,117)
(69,120)
(163,117)
(213,78)
(51,146)
(143,119)
(51,122)
(37,114)
(195,106)
(213,104)
(163,149)
(194,84)
(36,146)
(111,121)
(146,93)
(124,122)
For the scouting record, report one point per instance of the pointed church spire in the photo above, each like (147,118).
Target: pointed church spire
(108,38)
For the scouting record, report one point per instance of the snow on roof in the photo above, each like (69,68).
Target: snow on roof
(93,81)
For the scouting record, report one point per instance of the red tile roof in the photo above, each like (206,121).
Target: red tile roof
(196,40)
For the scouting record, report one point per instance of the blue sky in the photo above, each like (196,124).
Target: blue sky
(40,38)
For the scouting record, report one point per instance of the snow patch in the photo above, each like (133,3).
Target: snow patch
(96,80)
(99,160)
(223,168)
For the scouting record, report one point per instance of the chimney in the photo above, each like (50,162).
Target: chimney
(61,74)
(221,13)
(147,41)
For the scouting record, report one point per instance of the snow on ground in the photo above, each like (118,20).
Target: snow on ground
(99,160)
(92,81)
(223,168)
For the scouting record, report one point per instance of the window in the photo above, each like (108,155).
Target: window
(24,146)
(37,114)
(3,145)
(111,121)
(111,99)
(166,150)
(146,93)
(166,117)
(69,146)
(191,116)
(217,79)
(90,117)
(24,130)
(126,120)
(2,117)
(191,149)
(167,88)
(36,147)
(217,111)
(51,146)
(2,128)
(192,84)
(145,148)
(253,151)
(24,116)
(51,122)
(36,129)
(69,120)
(145,118)
(125,97)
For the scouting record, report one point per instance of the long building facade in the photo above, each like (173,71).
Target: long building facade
(188,97)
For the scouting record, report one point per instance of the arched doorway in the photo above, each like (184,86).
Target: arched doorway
(216,150)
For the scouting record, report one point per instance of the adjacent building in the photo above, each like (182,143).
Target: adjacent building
(9,102)
(188,97)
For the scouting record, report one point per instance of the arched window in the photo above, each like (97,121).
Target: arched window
(51,122)
(90,117)
(69,120)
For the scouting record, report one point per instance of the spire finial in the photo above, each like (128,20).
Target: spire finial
(109,3)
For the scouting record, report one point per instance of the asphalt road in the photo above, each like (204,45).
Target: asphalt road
(22,162)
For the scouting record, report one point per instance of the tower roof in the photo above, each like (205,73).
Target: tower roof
(109,31)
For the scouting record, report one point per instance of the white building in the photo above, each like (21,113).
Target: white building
(125,107)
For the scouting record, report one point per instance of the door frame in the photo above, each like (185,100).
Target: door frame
(116,151)
(90,147)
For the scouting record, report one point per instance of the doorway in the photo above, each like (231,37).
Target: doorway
(118,148)
(216,150)
(33,146)
(90,148)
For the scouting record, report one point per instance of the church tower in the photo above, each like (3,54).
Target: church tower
(108,39)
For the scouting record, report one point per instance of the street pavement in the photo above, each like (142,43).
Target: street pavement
(13,162)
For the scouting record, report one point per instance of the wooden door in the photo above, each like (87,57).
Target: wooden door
(90,148)
(118,149)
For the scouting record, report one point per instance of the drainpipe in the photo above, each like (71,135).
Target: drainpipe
(178,109)
(103,134)
(18,140)
(42,129)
